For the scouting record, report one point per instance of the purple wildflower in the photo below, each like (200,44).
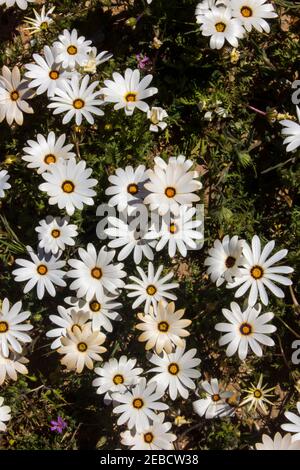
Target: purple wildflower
(58,425)
(143,61)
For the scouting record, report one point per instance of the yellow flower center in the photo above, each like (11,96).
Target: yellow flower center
(95,306)
(151,290)
(130,97)
(230,262)
(68,187)
(50,158)
(54,74)
(96,273)
(137,403)
(245,329)
(257,272)
(173,228)
(82,347)
(148,437)
(163,326)
(72,50)
(55,233)
(78,104)
(170,192)
(246,11)
(220,27)
(257,393)
(132,188)
(3,327)
(44,25)
(216,397)
(173,368)
(118,379)
(42,269)
(14,95)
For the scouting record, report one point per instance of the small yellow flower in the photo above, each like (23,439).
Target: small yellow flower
(234,56)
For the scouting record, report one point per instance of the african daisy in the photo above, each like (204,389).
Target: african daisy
(13,327)
(78,99)
(68,184)
(45,74)
(175,372)
(165,329)
(260,271)
(155,437)
(244,330)
(214,405)
(42,272)
(81,347)
(95,273)
(55,233)
(171,185)
(138,405)
(14,93)
(128,92)
(71,50)
(150,288)
(43,151)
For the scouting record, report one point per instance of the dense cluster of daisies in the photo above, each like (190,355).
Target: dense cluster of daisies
(155,209)
(230,20)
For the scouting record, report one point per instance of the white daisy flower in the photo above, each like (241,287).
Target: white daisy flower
(245,330)
(294,425)
(45,74)
(78,99)
(259,271)
(257,396)
(55,233)
(4,177)
(42,272)
(100,313)
(128,92)
(278,443)
(214,405)
(4,415)
(116,376)
(11,366)
(172,185)
(94,59)
(131,236)
(66,321)
(127,187)
(157,116)
(175,372)
(165,329)
(179,233)
(137,406)
(291,129)
(13,328)
(154,437)
(72,50)
(13,95)
(81,347)
(44,151)
(220,26)
(40,22)
(252,14)
(95,272)
(23,4)
(224,259)
(68,184)
(150,288)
